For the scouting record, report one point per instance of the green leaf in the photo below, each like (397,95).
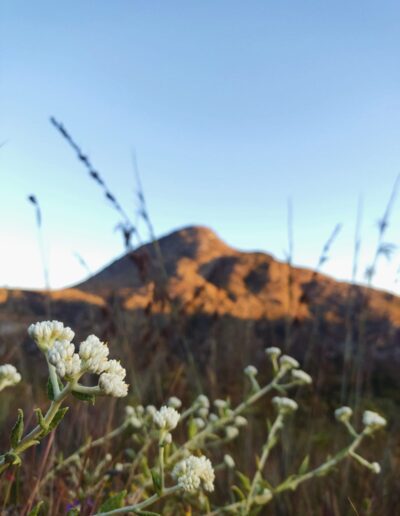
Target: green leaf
(12,458)
(155,475)
(114,502)
(40,418)
(84,397)
(36,510)
(239,493)
(27,445)
(18,429)
(192,429)
(147,513)
(58,418)
(50,391)
(73,512)
(245,481)
(304,465)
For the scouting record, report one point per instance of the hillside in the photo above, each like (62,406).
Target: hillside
(215,302)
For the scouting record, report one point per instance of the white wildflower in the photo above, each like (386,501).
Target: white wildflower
(9,376)
(199,422)
(288,362)
(151,410)
(284,405)
(373,421)
(63,357)
(45,333)
(376,468)
(119,467)
(193,473)
(166,418)
(213,418)
(94,355)
(301,377)
(203,401)
(115,368)
(220,404)
(174,402)
(343,414)
(231,432)
(273,352)
(250,370)
(167,438)
(129,410)
(229,462)
(240,421)
(113,385)
(203,412)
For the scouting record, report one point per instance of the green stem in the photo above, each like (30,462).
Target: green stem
(271,441)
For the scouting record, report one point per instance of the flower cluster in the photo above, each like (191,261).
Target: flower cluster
(45,333)
(166,418)
(193,473)
(63,357)
(8,376)
(56,341)
(373,421)
(343,414)
(284,405)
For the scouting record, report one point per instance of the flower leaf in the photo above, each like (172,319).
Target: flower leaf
(114,502)
(84,397)
(18,429)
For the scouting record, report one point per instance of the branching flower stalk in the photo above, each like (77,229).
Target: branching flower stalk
(65,370)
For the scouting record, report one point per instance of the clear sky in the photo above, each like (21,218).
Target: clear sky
(233,107)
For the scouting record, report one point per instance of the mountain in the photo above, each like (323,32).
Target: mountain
(191,297)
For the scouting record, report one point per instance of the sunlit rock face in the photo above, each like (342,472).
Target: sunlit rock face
(192,294)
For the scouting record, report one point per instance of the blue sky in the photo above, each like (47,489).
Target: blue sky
(232,107)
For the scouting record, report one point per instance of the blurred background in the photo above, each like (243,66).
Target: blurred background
(234,167)
(231,110)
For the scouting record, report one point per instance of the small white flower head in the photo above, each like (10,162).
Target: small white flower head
(45,333)
(9,376)
(250,370)
(199,422)
(94,355)
(174,402)
(140,410)
(273,352)
(301,377)
(287,362)
(220,404)
(376,468)
(130,411)
(229,462)
(108,457)
(63,357)
(343,414)
(284,405)
(231,432)
(167,418)
(240,421)
(113,385)
(213,418)
(115,368)
(373,421)
(203,401)
(167,438)
(151,410)
(203,412)
(119,467)
(193,473)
